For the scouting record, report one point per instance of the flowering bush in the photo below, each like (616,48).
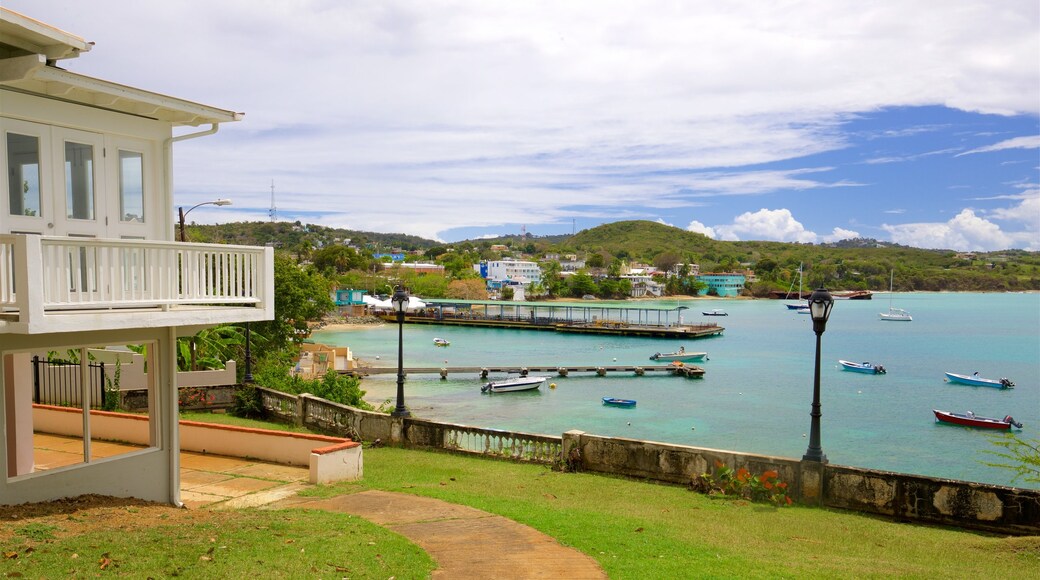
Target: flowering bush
(194,397)
(742,483)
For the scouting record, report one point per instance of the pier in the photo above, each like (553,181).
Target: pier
(583,319)
(688,371)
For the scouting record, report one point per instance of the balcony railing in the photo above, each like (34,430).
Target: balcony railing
(43,276)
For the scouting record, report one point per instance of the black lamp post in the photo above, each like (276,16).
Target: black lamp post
(182,213)
(820,303)
(400,302)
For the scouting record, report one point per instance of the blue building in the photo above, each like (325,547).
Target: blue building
(349,297)
(725,284)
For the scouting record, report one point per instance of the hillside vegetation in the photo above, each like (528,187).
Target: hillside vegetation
(859,264)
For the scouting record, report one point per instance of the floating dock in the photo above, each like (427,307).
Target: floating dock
(582,319)
(688,371)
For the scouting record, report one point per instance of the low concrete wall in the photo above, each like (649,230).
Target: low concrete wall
(262,444)
(901,496)
(1000,509)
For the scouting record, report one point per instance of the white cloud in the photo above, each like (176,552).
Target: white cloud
(421,117)
(964,232)
(1028,142)
(698,227)
(1027,211)
(840,234)
(766,224)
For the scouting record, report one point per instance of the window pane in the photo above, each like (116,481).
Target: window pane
(131,186)
(23,163)
(79,181)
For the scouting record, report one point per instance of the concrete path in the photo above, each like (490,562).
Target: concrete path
(465,542)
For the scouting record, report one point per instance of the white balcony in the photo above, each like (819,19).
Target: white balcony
(59,284)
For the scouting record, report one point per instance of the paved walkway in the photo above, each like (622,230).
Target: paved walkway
(465,542)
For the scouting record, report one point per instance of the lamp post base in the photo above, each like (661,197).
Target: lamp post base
(818,457)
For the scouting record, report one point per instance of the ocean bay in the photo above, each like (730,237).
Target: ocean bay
(757,389)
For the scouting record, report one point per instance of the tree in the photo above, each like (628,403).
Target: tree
(469,289)
(337,260)
(551,279)
(665,261)
(299,297)
(1021,456)
(582,284)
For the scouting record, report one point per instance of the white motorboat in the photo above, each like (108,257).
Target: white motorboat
(514,384)
(681,356)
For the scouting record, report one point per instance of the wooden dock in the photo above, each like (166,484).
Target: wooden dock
(688,371)
(554,317)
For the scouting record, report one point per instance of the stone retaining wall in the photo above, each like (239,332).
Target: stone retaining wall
(1000,509)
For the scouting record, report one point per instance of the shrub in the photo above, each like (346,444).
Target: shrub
(742,483)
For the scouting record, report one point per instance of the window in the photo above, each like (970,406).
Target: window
(79,180)
(131,186)
(23,163)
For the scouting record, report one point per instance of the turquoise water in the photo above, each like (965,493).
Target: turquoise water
(757,389)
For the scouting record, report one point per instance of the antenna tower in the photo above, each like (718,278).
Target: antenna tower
(273,213)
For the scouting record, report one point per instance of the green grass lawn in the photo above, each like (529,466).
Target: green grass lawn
(644,530)
(634,529)
(228,419)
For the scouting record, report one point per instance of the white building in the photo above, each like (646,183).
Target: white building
(88,257)
(505,271)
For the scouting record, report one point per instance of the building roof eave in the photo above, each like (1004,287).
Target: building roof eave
(31,74)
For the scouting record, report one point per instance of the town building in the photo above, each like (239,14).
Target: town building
(89,259)
(724,284)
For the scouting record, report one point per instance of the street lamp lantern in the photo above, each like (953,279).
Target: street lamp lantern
(400,303)
(182,212)
(820,304)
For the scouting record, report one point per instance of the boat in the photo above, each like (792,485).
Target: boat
(970,419)
(799,306)
(976,381)
(681,356)
(715,312)
(894,314)
(615,402)
(441,342)
(863,367)
(514,384)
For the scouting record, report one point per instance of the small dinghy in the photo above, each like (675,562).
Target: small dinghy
(970,419)
(863,367)
(976,381)
(615,402)
(511,385)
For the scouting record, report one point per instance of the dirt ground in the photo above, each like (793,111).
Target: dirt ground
(87,513)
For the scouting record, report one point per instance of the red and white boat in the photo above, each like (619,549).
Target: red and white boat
(970,419)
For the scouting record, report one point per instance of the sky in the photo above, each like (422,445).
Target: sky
(913,122)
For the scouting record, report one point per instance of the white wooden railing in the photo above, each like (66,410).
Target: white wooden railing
(47,274)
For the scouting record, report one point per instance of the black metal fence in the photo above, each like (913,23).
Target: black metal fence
(57,382)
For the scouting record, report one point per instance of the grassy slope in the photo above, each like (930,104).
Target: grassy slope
(643,530)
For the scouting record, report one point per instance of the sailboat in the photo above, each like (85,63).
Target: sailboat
(894,314)
(798,306)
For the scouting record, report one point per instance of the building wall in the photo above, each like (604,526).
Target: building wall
(53,122)
(726,285)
